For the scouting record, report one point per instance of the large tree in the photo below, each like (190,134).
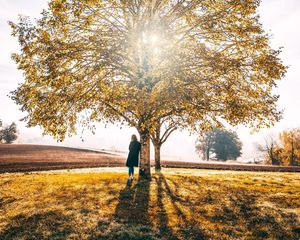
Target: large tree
(141,62)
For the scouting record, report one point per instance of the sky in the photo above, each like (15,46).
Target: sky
(280,18)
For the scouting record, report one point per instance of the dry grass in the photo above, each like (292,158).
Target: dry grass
(204,205)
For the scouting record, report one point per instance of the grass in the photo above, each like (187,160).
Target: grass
(177,204)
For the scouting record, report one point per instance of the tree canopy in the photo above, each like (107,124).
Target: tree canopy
(141,62)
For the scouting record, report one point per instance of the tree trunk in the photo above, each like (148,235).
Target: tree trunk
(145,156)
(157,157)
(207,154)
(292,153)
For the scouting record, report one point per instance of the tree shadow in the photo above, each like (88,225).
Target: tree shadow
(134,203)
(131,217)
(237,211)
(163,218)
(46,225)
(262,223)
(188,228)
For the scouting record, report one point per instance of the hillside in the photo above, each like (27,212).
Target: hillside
(25,158)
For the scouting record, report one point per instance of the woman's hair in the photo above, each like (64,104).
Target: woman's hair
(133,137)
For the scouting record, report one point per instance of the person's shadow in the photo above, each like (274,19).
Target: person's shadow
(134,203)
(131,216)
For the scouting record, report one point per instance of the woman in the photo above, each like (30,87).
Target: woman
(133,156)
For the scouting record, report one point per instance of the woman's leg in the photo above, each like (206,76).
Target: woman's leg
(130,171)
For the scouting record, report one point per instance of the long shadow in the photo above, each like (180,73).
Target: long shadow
(134,203)
(238,209)
(265,224)
(46,225)
(163,218)
(189,228)
(131,217)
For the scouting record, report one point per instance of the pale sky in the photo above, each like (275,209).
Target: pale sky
(280,18)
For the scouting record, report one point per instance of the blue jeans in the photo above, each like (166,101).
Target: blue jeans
(130,170)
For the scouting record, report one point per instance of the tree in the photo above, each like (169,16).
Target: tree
(205,144)
(290,146)
(272,150)
(158,139)
(284,151)
(141,62)
(227,145)
(224,144)
(1,137)
(9,133)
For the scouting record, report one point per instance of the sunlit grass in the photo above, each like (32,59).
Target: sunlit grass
(204,205)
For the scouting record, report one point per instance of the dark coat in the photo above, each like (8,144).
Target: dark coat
(134,152)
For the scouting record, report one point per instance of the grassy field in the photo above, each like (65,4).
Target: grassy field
(176,204)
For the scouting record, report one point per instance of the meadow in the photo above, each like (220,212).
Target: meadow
(175,204)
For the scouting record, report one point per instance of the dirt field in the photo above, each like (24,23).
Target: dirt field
(25,158)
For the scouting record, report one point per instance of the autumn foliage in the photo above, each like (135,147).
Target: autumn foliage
(285,150)
(184,64)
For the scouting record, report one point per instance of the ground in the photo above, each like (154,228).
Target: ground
(175,204)
(26,158)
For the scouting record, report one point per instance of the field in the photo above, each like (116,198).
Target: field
(26,158)
(175,204)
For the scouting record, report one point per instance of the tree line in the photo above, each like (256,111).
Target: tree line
(222,145)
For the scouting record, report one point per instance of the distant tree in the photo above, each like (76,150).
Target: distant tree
(227,145)
(9,133)
(0,131)
(205,144)
(223,143)
(290,146)
(271,149)
(284,151)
